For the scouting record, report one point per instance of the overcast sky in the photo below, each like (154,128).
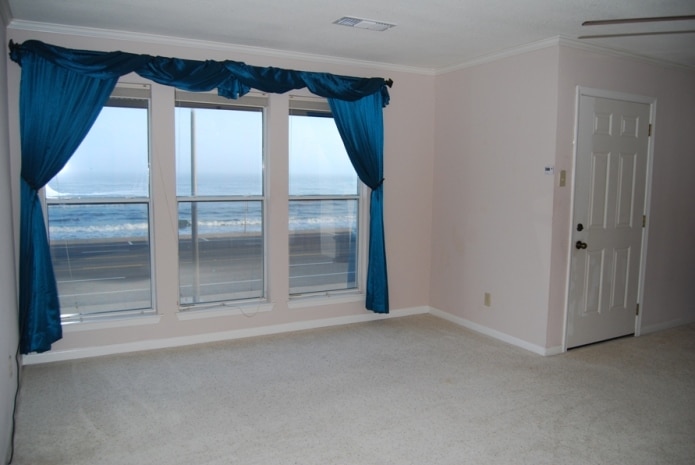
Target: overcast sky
(227,142)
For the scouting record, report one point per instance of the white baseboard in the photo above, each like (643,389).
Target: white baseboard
(504,337)
(152,344)
(666,325)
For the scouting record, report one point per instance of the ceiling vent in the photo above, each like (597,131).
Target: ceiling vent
(363,23)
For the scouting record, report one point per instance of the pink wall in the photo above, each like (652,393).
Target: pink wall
(501,226)
(409,148)
(670,273)
(8,294)
(495,129)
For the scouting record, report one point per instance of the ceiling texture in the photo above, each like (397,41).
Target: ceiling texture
(429,35)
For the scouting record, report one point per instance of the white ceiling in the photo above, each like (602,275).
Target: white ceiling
(431,35)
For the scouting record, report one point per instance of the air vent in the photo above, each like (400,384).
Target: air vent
(363,23)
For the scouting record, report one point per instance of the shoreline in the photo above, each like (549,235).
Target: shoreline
(213,236)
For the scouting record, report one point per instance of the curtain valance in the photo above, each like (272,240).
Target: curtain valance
(232,79)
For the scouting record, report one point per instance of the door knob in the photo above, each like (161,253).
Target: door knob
(580,245)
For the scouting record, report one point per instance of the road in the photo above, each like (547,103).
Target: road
(102,276)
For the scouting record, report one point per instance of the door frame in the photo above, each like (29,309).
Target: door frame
(613,95)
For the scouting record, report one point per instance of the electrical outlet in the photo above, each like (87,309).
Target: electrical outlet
(487,300)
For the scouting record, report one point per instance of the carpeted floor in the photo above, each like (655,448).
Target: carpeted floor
(412,390)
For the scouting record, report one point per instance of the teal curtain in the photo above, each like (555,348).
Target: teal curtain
(57,109)
(361,127)
(232,79)
(62,92)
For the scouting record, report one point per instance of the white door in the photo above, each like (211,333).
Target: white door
(609,202)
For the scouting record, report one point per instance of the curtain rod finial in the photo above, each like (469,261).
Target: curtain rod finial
(14,50)
(389,82)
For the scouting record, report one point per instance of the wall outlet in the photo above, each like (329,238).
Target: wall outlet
(487,299)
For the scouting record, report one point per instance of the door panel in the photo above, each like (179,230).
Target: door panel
(610,183)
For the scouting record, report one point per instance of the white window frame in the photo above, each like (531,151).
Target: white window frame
(244,305)
(320,298)
(163,209)
(122,91)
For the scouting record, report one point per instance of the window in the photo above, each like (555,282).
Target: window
(118,223)
(324,204)
(220,194)
(98,214)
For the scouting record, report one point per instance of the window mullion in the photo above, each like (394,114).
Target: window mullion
(277,211)
(163,194)
(324,205)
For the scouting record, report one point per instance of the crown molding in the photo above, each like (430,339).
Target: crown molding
(507,53)
(619,53)
(111,34)
(559,41)
(33,26)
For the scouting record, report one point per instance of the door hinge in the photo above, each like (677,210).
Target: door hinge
(637,310)
(650,130)
(644,221)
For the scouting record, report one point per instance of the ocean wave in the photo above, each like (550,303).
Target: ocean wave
(99,231)
(91,229)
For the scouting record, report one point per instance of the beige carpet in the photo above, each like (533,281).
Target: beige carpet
(414,390)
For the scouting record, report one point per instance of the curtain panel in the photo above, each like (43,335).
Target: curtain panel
(62,92)
(361,128)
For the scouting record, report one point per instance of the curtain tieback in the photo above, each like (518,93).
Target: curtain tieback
(378,185)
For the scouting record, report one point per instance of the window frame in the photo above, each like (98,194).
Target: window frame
(312,104)
(123,93)
(259,103)
(162,202)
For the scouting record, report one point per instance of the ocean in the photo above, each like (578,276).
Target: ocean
(75,221)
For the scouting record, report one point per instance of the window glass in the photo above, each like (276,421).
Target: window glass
(98,215)
(112,160)
(323,208)
(318,163)
(219,184)
(219,151)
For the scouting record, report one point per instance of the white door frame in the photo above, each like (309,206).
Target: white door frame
(600,93)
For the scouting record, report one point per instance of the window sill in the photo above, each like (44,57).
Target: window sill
(248,309)
(109,323)
(324,299)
